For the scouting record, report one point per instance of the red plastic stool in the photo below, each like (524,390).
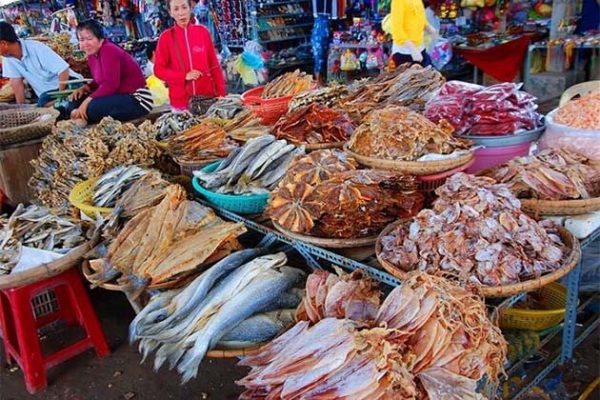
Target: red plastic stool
(25,309)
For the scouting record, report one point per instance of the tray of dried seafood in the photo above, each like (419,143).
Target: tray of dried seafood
(477,234)
(325,196)
(328,243)
(398,139)
(553,182)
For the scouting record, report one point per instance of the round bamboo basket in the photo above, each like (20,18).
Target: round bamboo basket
(571,259)
(231,353)
(560,207)
(411,167)
(44,271)
(328,243)
(322,146)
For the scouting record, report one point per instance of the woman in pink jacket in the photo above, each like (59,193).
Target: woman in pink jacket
(186,59)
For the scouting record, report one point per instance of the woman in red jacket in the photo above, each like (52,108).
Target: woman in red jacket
(186,59)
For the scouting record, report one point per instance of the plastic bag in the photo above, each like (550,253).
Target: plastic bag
(440,51)
(583,141)
(160,93)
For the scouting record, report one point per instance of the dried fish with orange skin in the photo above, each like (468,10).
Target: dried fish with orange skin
(203,142)
(288,84)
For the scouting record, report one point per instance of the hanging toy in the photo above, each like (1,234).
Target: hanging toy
(349,62)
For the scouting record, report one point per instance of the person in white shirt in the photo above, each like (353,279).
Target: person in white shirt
(30,60)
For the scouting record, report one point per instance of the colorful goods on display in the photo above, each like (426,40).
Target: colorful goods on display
(397,133)
(500,109)
(476,232)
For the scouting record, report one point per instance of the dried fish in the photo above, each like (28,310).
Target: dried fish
(288,84)
(325,96)
(226,107)
(476,233)
(246,126)
(110,186)
(553,174)
(173,123)
(204,142)
(397,133)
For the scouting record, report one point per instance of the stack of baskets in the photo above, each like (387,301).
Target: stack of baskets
(20,125)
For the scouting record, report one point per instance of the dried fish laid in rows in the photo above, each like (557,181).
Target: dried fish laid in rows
(163,243)
(37,227)
(349,204)
(170,124)
(397,133)
(326,96)
(430,339)
(475,233)
(109,187)
(407,86)
(345,296)
(246,126)
(314,124)
(243,300)
(226,107)
(256,167)
(288,84)
(553,174)
(72,154)
(204,142)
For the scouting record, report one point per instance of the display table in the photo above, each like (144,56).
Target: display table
(502,62)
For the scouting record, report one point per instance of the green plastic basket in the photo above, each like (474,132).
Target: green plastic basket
(241,204)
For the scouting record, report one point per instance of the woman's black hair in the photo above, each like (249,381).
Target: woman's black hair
(169,4)
(150,49)
(93,26)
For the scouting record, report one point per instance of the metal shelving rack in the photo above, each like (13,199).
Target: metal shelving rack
(569,338)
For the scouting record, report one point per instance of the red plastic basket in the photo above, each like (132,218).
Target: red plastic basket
(268,110)
(428,183)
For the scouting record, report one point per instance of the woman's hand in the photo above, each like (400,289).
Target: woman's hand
(81,112)
(193,75)
(79,93)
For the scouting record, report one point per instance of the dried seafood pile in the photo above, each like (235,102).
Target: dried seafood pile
(243,300)
(256,167)
(411,87)
(581,113)
(246,126)
(430,340)
(320,200)
(226,107)
(314,124)
(171,124)
(37,227)
(501,109)
(288,84)
(553,174)
(144,193)
(344,296)
(325,96)
(165,242)
(476,233)
(111,185)
(204,142)
(397,133)
(71,155)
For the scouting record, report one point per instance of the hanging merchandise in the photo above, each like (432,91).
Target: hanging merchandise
(349,61)
(448,10)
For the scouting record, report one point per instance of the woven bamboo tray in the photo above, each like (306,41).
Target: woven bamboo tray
(411,167)
(560,207)
(327,242)
(571,259)
(22,125)
(44,271)
(231,353)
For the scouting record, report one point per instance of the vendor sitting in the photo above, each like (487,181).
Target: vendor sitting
(118,88)
(34,62)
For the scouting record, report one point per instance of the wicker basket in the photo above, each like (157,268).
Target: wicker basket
(560,207)
(328,243)
(22,125)
(232,353)
(429,183)
(553,300)
(81,197)
(411,167)
(188,167)
(570,261)
(6,106)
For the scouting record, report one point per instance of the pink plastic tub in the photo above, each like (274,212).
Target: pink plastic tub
(493,156)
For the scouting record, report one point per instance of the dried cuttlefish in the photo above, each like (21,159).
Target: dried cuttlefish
(430,339)
(553,174)
(397,133)
(476,233)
